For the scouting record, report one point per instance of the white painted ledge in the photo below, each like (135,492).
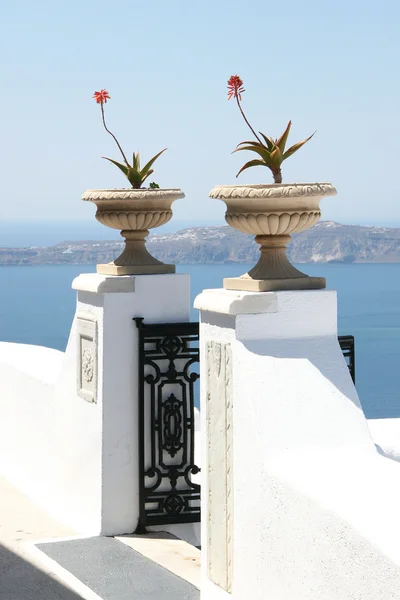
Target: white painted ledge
(386,435)
(102,284)
(231,302)
(43,364)
(113,284)
(288,314)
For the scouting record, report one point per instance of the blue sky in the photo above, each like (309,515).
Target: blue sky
(328,66)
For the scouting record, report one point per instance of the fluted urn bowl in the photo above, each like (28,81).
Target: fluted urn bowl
(272,213)
(134,212)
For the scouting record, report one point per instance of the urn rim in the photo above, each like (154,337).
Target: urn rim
(273,190)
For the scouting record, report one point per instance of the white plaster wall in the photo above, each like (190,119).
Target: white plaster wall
(315,505)
(386,435)
(78,459)
(47,439)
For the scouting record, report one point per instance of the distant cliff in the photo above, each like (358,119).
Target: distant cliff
(326,242)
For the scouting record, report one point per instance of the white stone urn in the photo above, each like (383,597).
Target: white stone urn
(134,212)
(273,212)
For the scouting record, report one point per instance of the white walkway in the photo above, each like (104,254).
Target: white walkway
(23,576)
(27,573)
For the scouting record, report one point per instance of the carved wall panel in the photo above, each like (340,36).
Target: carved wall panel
(86,326)
(220,464)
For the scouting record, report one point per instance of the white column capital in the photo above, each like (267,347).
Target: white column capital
(272,315)
(102,284)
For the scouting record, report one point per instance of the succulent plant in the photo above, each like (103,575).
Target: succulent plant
(135,175)
(271,153)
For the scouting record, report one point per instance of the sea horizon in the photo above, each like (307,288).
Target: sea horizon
(15,233)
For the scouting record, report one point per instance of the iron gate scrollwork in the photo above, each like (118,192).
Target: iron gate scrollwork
(168,371)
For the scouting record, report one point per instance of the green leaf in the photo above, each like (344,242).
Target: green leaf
(281,142)
(134,177)
(148,165)
(146,176)
(123,168)
(136,161)
(269,143)
(262,151)
(252,163)
(276,157)
(296,147)
(252,143)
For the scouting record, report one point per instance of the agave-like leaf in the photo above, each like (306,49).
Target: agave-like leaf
(134,178)
(262,151)
(252,143)
(296,147)
(149,164)
(276,157)
(252,163)
(136,161)
(132,172)
(281,142)
(147,175)
(123,168)
(270,144)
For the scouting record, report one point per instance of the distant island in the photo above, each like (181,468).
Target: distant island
(326,242)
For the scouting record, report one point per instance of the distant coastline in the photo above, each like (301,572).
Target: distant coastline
(326,242)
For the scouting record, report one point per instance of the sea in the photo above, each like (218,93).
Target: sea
(37,307)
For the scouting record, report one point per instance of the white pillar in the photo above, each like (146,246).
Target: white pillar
(103,351)
(288,510)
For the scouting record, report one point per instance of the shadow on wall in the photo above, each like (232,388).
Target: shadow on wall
(319,353)
(20,579)
(379,404)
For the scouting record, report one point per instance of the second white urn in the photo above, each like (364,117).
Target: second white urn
(272,213)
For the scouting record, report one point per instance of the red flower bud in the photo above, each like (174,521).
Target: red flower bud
(235,87)
(101,97)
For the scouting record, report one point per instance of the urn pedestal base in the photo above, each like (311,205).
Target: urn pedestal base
(135,259)
(247,284)
(113,269)
(274,272)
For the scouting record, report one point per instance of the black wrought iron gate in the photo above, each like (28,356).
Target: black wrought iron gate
(168,371)
(346,342)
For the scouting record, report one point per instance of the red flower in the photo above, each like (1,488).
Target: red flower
(101,97)
(235,87)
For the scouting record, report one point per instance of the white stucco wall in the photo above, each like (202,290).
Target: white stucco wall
(315,507)
(49,439)
(386,435)
(78,459)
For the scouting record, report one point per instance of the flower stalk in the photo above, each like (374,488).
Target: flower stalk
(112,135)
